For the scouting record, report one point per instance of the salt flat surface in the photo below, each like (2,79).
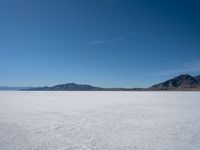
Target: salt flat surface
(99,120)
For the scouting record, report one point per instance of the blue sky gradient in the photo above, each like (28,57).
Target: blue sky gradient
(109,43)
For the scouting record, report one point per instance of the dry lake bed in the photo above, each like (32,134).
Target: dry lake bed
(99,120)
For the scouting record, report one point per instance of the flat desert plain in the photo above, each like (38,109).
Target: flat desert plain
(99,120)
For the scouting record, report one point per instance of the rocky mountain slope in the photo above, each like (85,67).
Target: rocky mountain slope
(181,82)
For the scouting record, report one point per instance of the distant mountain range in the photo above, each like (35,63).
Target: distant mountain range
(79,87)
(8,88)
(180,83)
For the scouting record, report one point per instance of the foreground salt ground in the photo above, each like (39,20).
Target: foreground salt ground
(99,121)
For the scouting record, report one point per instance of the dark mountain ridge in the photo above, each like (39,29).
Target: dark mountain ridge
(197,78)
(181,82)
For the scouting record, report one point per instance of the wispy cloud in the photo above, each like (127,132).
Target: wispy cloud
(187,68)
(114,40)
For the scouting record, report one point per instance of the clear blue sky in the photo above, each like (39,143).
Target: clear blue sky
(123,43)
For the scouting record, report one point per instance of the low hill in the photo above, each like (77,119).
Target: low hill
(67,87)
(8,88)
